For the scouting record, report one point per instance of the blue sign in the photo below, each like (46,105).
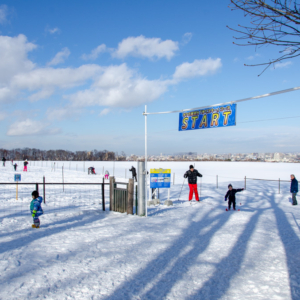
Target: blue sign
(218,116)
(17,177)
(160,178)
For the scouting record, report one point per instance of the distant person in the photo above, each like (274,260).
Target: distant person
(3,160)
(25,165)
(91,170)
(231,196)
(192,175)
(294,189)
(36,208)
(106,174)
(133,170)
(15,166)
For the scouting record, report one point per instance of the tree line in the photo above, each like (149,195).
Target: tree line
(63,155)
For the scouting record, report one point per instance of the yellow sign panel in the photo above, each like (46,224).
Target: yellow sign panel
(158,171)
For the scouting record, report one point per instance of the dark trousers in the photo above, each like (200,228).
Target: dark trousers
(229,203)
(294,198)
(134,177)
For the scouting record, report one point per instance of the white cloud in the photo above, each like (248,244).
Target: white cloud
(197,68)
(2,116)
(251,57)
(3,13)
(119,86)
(13,57)
(62,112)
(282,65)
(104,112)
(53,30)
(146,47)
(30,127)
(60,57)
(187,38)
(95,52)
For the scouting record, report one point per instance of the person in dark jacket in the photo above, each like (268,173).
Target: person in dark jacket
(231,196)
(133,170)
(15,166)
(294,189)
(25,165)
(3,160)
(192,175)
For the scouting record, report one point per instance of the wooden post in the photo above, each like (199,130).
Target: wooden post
(37,187)
(130,197)
(111,193)
(245,183)
(17,192)
(103,195)
(44,189)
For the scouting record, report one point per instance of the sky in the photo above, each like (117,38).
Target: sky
(76,75)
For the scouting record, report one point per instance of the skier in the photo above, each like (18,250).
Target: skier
(25,165)
(3,160)
(133,170)
(106,174)
(36,208)
(91,170)
(231,196)
(294,189)
(15,166)
(192,175)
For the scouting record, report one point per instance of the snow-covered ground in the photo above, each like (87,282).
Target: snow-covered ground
(197,251)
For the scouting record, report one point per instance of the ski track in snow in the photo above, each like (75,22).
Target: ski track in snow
(197,251)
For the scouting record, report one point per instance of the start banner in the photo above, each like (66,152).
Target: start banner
(218,116)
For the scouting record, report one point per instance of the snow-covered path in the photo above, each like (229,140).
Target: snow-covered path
(197,251)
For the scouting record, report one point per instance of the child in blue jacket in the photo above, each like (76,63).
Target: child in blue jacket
(36,208)
(294,189)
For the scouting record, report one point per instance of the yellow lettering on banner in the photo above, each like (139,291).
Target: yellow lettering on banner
(194,121)
(226,115)
(214,119)
(184,123)
(203,121)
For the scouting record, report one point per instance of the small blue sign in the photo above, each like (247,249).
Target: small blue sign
(17,177)
(211,117)
(160,178)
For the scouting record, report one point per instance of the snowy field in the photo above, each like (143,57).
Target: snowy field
(197,251)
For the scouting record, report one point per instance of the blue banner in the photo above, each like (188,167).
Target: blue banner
(218,116)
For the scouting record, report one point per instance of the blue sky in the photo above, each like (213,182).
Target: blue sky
(76,75)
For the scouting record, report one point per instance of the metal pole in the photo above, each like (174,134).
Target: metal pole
(173,178)
(146,197)
(44,190)
(17,192)
(103,197)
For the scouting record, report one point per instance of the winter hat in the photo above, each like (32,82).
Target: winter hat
(35,194)
(191,167)
(229,185)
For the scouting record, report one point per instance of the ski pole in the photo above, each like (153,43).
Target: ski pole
(181,189)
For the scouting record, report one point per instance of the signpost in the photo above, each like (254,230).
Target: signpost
(17,178)
(161,178)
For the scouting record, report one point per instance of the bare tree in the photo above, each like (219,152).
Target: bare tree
(273,22)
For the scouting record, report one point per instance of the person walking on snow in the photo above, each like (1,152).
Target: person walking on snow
(231,196)
(106,174)
(3,160)
(15,166)
(36,208)
(25,165)
(294,189)
(192,175)
(133,170)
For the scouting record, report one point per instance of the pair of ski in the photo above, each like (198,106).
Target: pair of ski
(232,209)
(191,202)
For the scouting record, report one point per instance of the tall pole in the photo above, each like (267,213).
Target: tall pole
(146,197)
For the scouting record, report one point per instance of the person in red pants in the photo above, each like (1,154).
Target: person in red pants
(192,175)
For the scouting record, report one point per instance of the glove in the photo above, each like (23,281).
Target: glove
(225,199)
(33,213)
